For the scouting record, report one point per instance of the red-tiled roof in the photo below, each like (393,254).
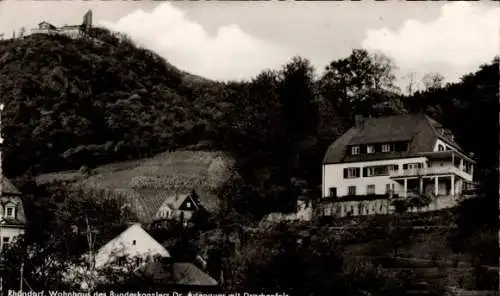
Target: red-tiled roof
(418,129)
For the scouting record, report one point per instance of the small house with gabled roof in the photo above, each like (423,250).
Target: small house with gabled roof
(393,157)
(179,207)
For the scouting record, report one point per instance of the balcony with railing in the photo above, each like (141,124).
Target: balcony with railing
(432,171)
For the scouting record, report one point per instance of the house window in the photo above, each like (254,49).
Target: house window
(351,190)
(387,188)
(370,149)
(394,167)
(333,192)
(440,147)
(133,242)
(386,148)
(381,170)
(350,173)
(10,212)
(370,189)
(188,204)
(355,150)
(412,166)
(121,260)
(5,240)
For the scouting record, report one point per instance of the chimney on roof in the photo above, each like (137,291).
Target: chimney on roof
(358,121)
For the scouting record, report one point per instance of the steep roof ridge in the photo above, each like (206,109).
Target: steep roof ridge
(430,121)
(342,141)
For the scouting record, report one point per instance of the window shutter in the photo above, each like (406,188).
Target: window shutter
(358,172)
(365,172)
(345,173)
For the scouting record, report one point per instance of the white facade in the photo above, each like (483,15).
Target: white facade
(433,174)
(133,242)
(333,177)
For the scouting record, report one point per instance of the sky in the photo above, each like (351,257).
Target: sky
(233,40)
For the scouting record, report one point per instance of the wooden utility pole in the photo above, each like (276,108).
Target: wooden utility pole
(91,252)
(21,277)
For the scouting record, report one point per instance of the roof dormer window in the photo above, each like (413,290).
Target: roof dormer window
(355,150)
(370,149)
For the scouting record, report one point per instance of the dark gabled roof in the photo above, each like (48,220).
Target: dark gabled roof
(386,129)
(8,188)
(418,129)
(179,273)
(447,137)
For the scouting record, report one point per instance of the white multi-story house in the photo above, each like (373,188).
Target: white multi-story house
(383,158)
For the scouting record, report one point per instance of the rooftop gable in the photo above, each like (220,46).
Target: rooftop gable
(134,241)
(8,188)
(17,203)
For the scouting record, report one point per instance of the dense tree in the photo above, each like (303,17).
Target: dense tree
(57,234)
(361,84)
(432,81)
(60,115)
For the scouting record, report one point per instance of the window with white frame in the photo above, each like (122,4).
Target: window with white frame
(351,190)
(370,149)
(370,172)
(370,189)
(10,212)
(393,167)
(387,188)
(386,148)
(5,240)
(355,150)
(411,166)
(332,191)
(188,205)
(350,173)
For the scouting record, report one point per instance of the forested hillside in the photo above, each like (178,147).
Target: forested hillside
(72,103)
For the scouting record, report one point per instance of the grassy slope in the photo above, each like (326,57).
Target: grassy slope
(168,172)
